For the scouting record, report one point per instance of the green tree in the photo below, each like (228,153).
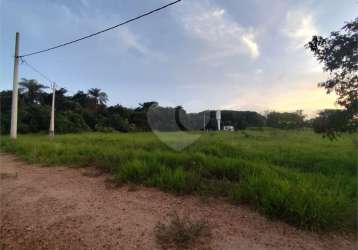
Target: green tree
(82,98)
(32,90)
(285,120)
(5,108)
(147,105)
(98,96)
(70,122)
(34,118)
(118,123)
(330,121)
(339,55)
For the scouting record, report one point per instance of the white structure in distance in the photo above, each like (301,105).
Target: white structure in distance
(218,118)
(228,128)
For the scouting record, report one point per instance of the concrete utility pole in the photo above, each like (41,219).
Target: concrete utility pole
(15,89)
(52,122)
(218,118)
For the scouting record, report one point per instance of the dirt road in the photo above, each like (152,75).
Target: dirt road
(60,208)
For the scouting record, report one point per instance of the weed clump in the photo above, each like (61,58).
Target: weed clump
(181,233)
(92,172)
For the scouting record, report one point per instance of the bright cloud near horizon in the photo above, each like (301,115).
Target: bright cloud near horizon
(201,54)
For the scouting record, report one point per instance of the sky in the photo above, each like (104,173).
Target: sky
(201,54)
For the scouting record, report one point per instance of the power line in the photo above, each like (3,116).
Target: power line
(23,61)
(102,31)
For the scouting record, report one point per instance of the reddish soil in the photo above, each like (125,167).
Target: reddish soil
(61,208)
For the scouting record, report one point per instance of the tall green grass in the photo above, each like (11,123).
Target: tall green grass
(296,176)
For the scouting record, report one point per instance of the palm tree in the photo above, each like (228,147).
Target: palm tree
(61,92)
(32,89)
(82,98)
(99,96)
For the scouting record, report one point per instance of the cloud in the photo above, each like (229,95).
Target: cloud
(218,12)
(84,3)
(130,40)
(299,27)
(249,41)
(122,40)
(224,36)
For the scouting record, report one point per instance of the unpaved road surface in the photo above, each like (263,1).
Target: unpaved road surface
(60,208)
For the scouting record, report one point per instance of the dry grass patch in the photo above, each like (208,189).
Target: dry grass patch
(112,182)
(182,233)
(92,172)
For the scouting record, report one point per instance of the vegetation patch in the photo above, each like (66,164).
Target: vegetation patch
(181,232)
(92,172)
(295,176)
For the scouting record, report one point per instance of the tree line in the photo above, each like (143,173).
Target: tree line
(88,111)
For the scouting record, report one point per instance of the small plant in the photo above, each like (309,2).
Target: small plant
(113,182)
(132,187)
(92,172)
(180,233)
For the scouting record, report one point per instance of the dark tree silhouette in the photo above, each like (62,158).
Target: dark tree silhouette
(330,121)
(339,55)
(32,90)
(98,95)
(87,111)
(145,106)
(82,98)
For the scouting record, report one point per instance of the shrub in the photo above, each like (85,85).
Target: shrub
(180,233)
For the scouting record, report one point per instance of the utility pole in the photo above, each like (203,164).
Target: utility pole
(52,122)
(15,89)
(218,118)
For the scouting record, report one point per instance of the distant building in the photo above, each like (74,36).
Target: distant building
(228,128)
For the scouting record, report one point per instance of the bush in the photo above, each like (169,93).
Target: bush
(104,129)
(331,122)
(285,120)
(70,122)
(118,123)
(181,233)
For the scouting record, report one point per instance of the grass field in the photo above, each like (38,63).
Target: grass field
(295,176)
